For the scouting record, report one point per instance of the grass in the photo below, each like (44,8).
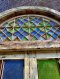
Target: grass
(48,69)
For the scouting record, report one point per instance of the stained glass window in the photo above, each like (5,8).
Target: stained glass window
(29,27)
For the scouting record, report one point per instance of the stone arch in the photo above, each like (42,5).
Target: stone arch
(39,24)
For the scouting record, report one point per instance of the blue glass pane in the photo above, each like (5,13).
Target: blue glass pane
(41,38)
(33,33)
(21,30)
(55,36)
(17,34)
(21,36)
(58,32)
(59,28)
(3,37)
(20,22)
(25,20)
(38,20)
(50,32)
(37,30)
(25,33)
(4,30)
(41,32)
(53,23)
(53,29)
(1,34)
(8,34)
(13,69)
(37,36)
(35,23)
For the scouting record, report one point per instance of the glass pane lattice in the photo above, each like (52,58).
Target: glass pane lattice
(29,28)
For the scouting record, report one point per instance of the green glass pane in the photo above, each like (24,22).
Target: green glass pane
(31,24)
(16,24)
(32,17)
(27,24)
(10,37)
(26,29)
(32,29)
(13,37)
(42,29)
(25,39)
(48,69)
(42,24)
(11,23)
(10,30)
(48,27)
(46,24)
(16,29)
(46,30)
(48,36)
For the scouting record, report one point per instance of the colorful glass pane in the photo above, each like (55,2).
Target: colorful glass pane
(30,28)
(13,69)
(48,69)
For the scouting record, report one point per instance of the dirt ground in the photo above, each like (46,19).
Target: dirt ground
(7,4)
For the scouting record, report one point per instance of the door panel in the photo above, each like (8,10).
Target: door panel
(13,69)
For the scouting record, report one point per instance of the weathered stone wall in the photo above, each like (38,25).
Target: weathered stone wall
(8,4)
